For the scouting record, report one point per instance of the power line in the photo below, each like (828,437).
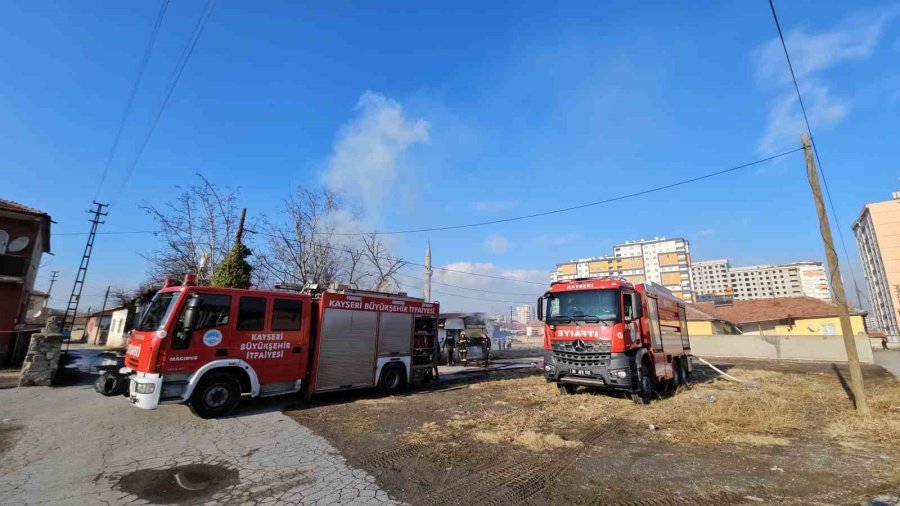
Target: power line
(173,82)
(408,262)
(134,88)
(465,296)
(815,148)
(109,233)
(468,288)
(580,206)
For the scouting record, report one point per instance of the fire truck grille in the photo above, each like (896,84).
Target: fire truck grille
(594,353)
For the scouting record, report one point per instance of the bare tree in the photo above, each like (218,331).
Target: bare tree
(302,249)
(196,227)
(121,296)
(383,266)
(306,249)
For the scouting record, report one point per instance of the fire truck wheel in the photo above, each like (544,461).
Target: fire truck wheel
(685,374)
(567,388)
(216,395)
(392,380)
(677,375)
(645,386)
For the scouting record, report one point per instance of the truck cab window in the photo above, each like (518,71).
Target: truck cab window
(286,314)
(251,313)
(627,307)
(213,309)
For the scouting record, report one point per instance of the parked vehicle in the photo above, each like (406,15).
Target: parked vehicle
(612,334)
(209,347)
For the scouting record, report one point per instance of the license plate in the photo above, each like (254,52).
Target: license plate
(580,372)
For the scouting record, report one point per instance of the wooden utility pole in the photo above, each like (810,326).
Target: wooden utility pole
(837,284)
(240,230)
(100,339)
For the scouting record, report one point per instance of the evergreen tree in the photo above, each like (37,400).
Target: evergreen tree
(234,271)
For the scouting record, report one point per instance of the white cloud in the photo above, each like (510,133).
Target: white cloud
(365,164)
(811,55)
(492,205)
(556,239)
(497,244)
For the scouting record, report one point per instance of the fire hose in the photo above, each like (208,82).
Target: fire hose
(725,375)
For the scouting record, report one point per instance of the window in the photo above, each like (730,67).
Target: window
(286,314)
(655,333)
(251,313)
(158,312)
(213,311)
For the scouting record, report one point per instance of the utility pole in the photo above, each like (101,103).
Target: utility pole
(78,286)
(53,276)
(837,284)
(100,319)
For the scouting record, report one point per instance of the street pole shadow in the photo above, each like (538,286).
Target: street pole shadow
(844,384)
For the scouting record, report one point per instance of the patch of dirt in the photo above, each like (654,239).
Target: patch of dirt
(512,438)
(9,435)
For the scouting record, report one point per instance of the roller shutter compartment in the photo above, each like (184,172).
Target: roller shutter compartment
(346,350)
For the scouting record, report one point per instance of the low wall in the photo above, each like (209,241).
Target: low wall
(817,348)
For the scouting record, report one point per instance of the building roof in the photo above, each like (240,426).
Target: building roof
(764,310)
(694,314)
(9,205)
(15,207)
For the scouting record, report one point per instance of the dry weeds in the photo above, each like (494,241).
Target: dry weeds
(530,413)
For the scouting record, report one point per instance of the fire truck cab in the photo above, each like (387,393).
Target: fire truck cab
(208,347)
(609,333)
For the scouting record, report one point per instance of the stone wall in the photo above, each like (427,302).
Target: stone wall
(42,359)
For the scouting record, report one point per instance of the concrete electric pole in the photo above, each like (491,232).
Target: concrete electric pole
(837,284)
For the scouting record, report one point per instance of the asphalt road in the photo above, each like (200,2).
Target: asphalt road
(70,445)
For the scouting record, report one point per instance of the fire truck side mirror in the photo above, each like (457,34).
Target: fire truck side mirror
(192,313)
(540,308)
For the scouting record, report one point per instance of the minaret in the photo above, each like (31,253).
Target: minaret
(428,272)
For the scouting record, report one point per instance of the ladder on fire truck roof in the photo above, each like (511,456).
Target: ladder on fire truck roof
(316,289)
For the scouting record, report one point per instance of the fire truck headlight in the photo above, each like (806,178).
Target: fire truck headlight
(548,367)
(144,388)
(619,373)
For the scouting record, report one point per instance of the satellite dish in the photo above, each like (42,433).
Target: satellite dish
(38,313)
(18,244)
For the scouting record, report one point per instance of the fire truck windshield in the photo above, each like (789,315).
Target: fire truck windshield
(600,305)
(158,312)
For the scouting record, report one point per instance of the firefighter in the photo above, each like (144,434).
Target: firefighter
(486,348)
(463,345)
(448,347)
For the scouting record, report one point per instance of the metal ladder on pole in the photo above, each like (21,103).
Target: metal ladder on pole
(78,286)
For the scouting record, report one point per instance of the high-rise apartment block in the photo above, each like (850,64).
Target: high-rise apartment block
(878,237)
(660,260)
(524,313)
(760,281)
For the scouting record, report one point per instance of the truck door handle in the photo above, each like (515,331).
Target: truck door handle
(222,352)
(297,349)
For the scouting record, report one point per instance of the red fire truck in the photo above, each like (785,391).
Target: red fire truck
(208,347)
(612,334)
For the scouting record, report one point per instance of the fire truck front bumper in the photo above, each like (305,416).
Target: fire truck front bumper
(144,390)
(614,370)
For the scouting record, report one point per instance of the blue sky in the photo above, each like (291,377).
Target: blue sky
(454,113)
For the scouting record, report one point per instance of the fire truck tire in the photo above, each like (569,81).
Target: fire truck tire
(645,386)
(110,384)
(393,380)
(685,374)
(216,395)
(677,374)
(566,388)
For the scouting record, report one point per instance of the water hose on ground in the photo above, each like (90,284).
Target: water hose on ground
(725,375)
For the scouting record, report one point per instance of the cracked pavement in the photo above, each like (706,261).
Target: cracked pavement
(73,445)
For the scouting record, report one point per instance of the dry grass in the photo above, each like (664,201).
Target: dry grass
(530,413)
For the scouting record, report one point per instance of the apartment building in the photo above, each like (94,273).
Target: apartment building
(760,281)
(524,313)
(660,260)
(878,238)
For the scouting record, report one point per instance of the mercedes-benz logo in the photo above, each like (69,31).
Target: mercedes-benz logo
(578,345)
